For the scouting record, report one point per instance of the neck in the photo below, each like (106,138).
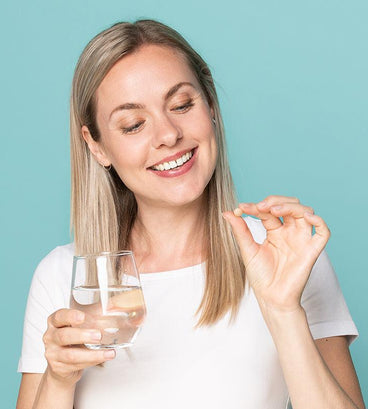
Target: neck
(168,238)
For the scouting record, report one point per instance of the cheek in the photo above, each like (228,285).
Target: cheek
(213,149)
(209,137)
(127,162)
(126,153)
(209,147)
(127,171)
(207,130)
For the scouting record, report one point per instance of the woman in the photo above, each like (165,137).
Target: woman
(149,172)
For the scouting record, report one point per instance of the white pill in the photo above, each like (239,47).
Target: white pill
(238,212)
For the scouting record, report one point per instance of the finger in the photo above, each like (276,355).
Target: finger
(66,317)
(274,200)
(270,222)
(83,357)
(76,336)
(292,213)
(243,236)
(322,232)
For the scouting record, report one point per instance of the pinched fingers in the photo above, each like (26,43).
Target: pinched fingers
(274,200)
(269,221)
(292,213)
(243,236)
(264,206)
(322,232)
(295,210)
(240,228)
(271,209)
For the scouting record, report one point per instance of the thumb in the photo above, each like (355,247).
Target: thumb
(243,236)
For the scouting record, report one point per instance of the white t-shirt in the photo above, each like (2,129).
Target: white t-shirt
(173,365)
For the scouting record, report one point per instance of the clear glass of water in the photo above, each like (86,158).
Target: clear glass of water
(107,288)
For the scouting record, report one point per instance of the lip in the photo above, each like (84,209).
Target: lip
(176,171)
(172,157)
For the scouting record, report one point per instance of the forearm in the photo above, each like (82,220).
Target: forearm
(53,394)
(309,381)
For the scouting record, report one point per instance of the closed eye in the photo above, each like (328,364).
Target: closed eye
(185,107)
(133,128)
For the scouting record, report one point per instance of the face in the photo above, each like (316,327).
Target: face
(156,127)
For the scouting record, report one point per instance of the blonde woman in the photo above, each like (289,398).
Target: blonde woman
(242,313)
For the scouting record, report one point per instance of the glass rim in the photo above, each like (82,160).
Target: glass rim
(104,254)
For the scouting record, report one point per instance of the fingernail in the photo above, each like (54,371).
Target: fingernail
(95,335)
(225,216)
(109,354)
(309,214)
(262,204)
(276,207)
(80,316)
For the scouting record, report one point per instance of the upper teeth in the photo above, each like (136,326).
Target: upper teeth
(173,163)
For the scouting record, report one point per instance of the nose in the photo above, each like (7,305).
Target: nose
(166,132)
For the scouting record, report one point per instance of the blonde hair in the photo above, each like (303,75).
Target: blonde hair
(103,209)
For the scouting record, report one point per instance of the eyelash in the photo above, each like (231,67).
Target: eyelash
(133,128)
(181,108)
(186,106)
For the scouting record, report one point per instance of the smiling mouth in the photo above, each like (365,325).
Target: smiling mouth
(173,164)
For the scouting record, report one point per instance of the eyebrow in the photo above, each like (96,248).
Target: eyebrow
(169,94)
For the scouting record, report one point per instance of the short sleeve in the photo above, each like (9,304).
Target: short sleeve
(49,291)
(324,303)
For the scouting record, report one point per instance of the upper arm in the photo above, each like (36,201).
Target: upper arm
(335,352)
(50,291)
(28,390)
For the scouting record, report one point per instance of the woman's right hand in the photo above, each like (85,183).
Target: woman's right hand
(64,350)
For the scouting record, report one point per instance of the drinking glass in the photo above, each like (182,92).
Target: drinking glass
(107,288)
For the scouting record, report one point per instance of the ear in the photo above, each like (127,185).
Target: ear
(95,147)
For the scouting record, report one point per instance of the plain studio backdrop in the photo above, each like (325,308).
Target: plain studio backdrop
(292,82)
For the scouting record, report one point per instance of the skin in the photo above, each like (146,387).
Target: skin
(163,127)
(277,270)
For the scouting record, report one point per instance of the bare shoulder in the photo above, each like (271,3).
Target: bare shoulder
(28,390)
(335,352)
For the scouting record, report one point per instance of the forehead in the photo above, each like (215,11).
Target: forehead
(148,72)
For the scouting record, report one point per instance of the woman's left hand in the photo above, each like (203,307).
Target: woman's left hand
(278,269)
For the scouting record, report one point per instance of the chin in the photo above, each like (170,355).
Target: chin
(181,199)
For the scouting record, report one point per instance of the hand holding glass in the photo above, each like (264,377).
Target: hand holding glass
(107,288)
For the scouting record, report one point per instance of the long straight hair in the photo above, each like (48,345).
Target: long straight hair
(103,209)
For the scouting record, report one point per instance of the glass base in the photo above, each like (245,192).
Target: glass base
(108,346)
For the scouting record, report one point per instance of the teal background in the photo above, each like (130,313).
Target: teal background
(292,81)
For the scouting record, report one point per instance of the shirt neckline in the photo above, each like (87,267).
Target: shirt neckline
(172,273)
